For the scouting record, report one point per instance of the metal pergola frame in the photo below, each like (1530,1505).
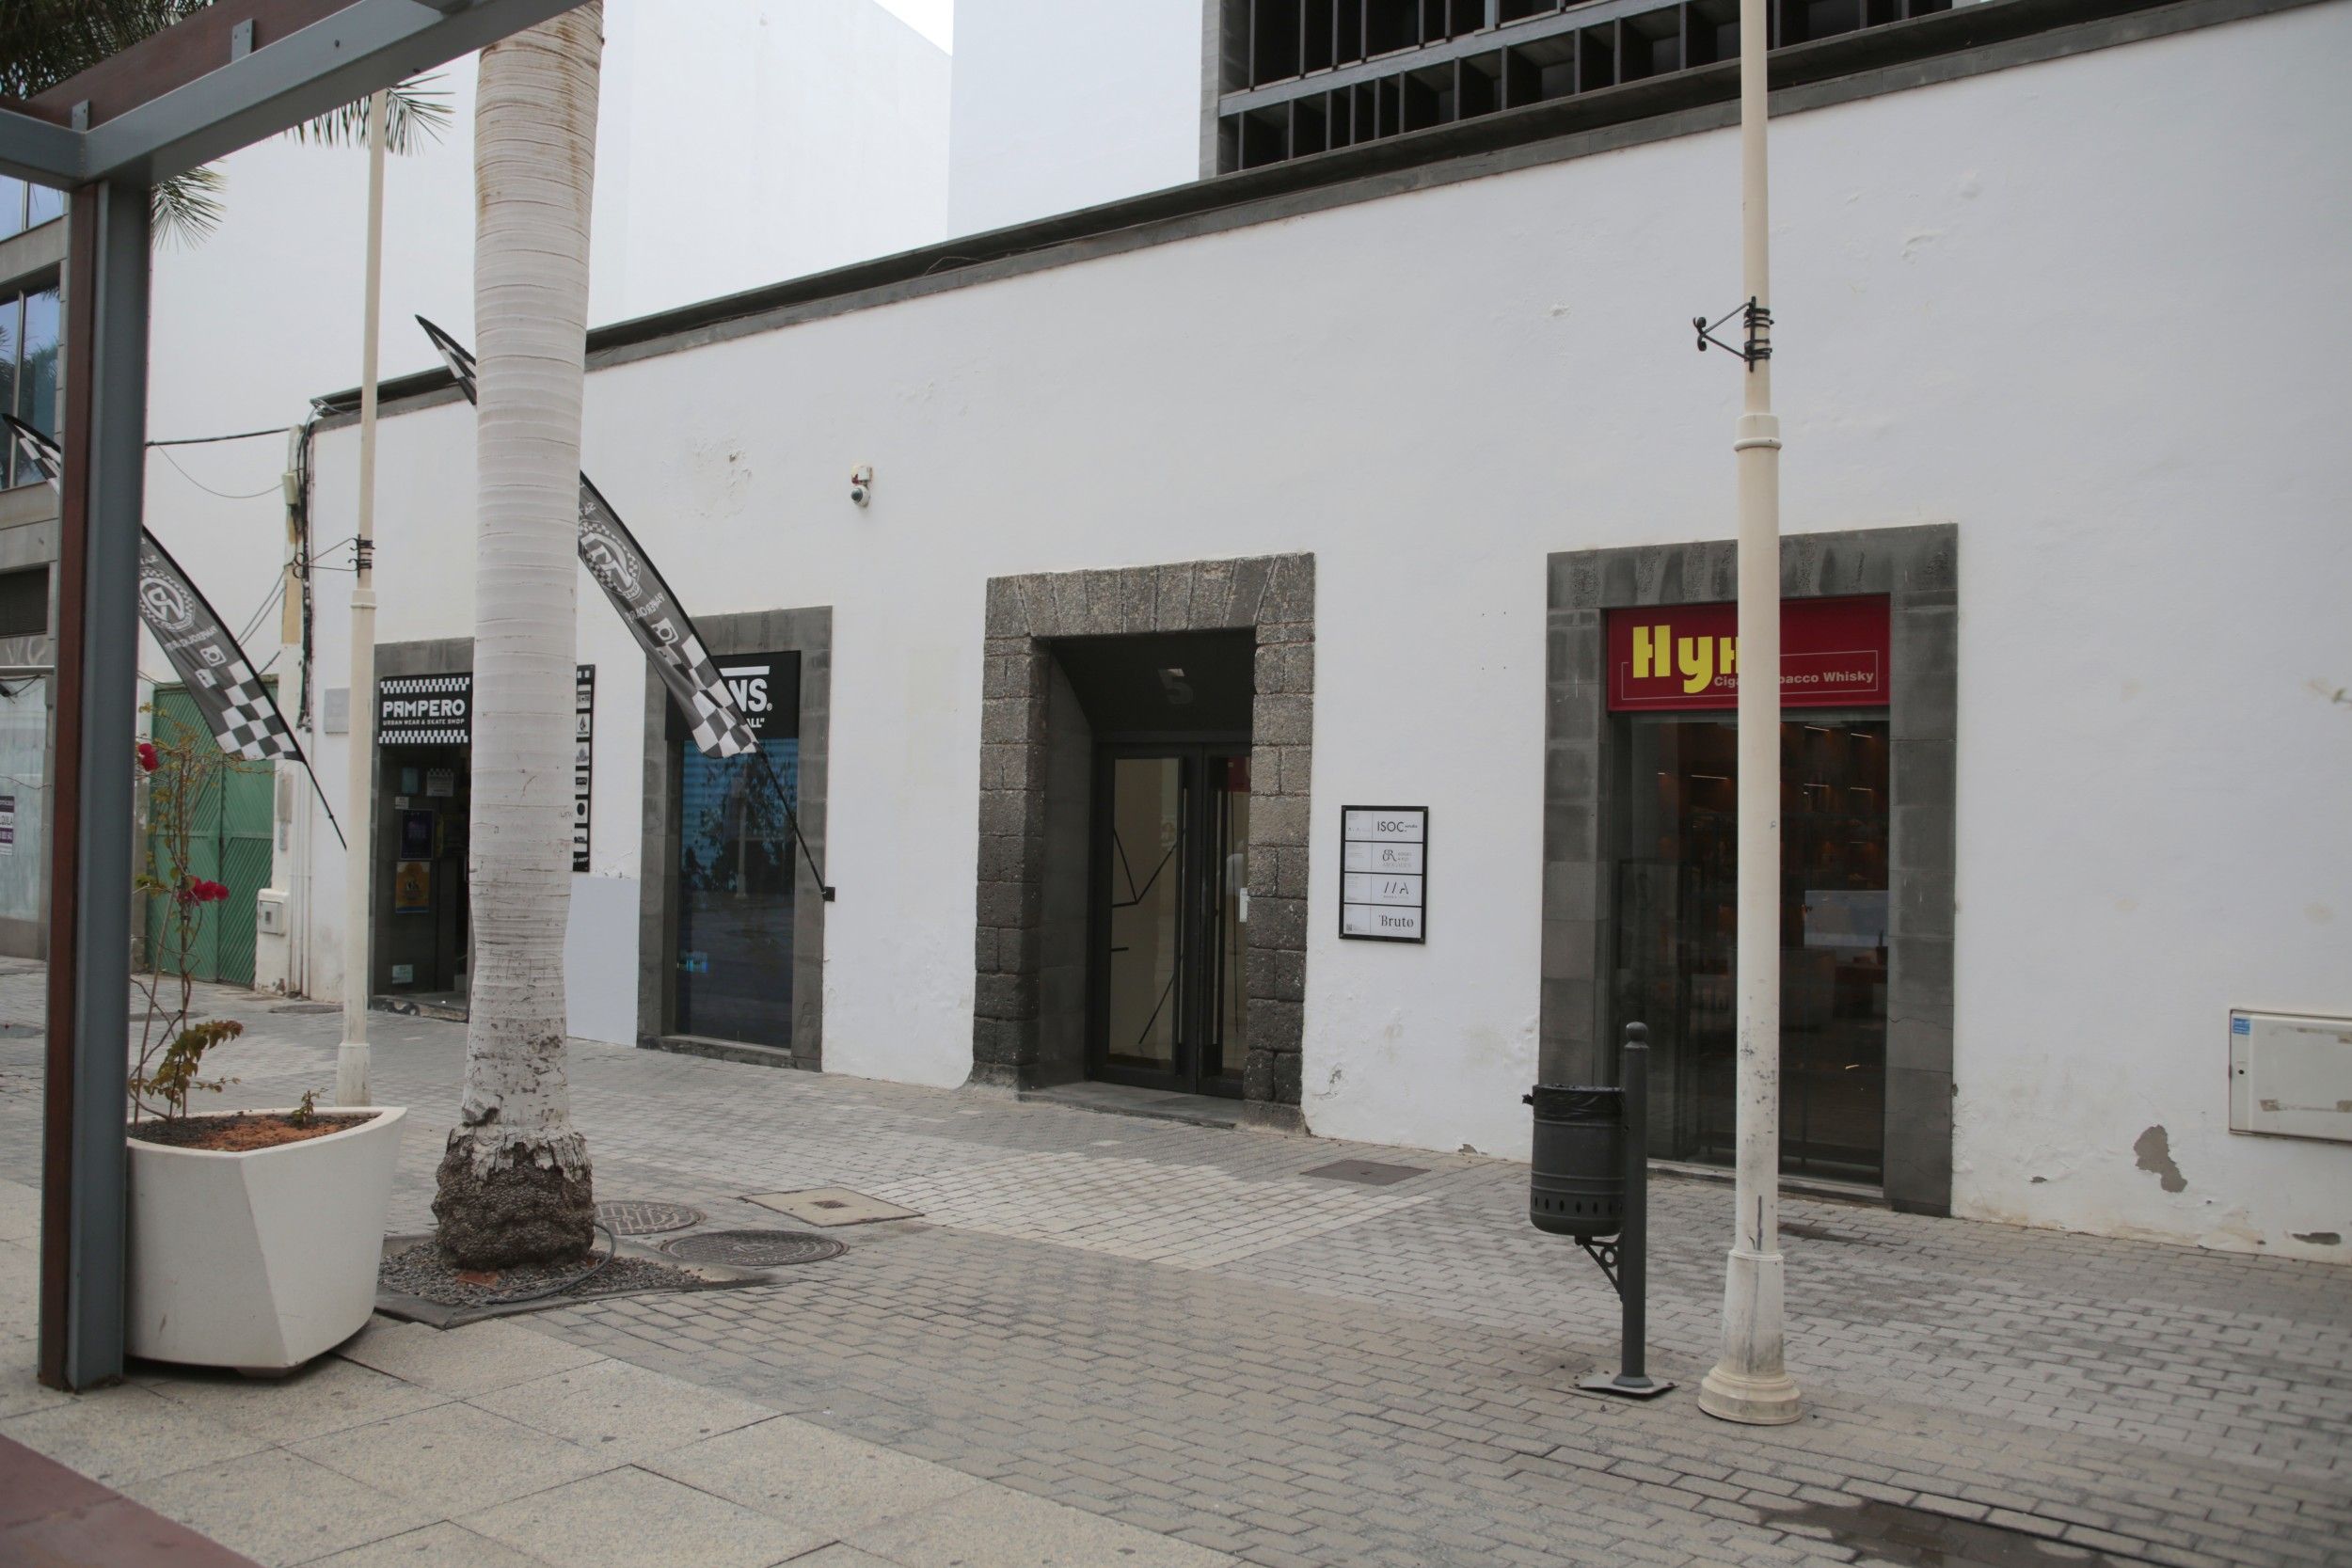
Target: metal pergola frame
(231,74)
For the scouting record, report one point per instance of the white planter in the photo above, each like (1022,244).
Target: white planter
(260,1260)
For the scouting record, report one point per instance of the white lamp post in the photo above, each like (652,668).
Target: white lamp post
(1751,1383)
(351,1057)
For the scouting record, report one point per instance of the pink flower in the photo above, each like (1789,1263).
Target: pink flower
(148,758)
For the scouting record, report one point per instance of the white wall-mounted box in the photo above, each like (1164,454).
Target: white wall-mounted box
(2290,1075)
(269,913)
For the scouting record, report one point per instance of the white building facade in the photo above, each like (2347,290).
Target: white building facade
(837,111)
(1338,548)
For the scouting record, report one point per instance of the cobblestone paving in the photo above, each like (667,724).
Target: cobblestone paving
(1168,1326)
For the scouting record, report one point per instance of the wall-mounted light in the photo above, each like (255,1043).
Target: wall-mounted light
(862,485)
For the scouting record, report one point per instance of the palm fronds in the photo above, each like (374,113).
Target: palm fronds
(186,208)
(418,110)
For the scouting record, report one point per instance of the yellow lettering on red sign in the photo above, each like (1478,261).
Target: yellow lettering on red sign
(1649,653)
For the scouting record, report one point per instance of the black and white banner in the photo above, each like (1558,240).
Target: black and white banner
(243,715)
(638,592)
(239,708)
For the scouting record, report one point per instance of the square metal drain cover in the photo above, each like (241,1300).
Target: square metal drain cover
(830,1206)
(1369,1173)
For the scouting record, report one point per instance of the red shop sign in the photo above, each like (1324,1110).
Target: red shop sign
(1833,653)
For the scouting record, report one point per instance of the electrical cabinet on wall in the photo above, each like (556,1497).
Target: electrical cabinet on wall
(2290,1075)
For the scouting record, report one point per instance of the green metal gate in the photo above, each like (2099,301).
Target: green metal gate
(230,845)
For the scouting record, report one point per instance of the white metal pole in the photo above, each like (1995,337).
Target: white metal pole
(1751,1383)
(351,1058)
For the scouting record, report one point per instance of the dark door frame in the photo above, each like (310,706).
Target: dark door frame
(1196,982)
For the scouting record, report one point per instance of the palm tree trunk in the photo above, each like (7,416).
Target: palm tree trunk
(515,1183)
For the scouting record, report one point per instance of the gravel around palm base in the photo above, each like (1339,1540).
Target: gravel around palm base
(420,1271)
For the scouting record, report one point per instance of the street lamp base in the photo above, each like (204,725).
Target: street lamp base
(1756,1401)
(1625,1387)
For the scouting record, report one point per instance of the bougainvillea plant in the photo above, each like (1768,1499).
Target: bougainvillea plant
(179,769)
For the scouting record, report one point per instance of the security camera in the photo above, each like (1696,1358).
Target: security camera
(862,485)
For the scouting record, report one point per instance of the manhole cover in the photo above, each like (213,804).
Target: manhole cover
(309,1008)
(754,1249)
(1370,1173)
(631,1216)
(831,1206)
(19,1031)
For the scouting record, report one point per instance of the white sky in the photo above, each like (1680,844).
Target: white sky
(934,19)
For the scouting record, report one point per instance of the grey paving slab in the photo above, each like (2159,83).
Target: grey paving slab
(632,1518)
(620,1411)
(474,1359)
(20,1215)
(278,1508)
(993,1528)
(329,1395)
(454,1456)
(121,1435)
(441,1546)
(807,1476)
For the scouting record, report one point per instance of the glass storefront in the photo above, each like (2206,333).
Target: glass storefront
(738,865)
(1675,897)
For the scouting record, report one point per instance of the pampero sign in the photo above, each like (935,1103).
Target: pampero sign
(424,710)
(1384,873)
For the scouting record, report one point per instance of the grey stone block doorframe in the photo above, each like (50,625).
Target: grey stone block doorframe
(1918,569)
(809,633)
(1028,1012)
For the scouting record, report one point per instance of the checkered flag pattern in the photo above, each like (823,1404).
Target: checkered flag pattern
(39,450)
(637,589)
(238,708)
(248,723)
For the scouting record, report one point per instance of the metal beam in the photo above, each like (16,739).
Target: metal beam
(282,82)
(35,149)
(103,434)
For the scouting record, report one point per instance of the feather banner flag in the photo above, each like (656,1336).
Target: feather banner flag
(237,705)
(638,589)
(657,619)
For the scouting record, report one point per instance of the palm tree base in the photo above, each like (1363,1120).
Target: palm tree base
(518,1203)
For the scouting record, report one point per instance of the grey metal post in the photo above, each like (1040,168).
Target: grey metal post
(1633,1380)
(1633,1240)
(97,657)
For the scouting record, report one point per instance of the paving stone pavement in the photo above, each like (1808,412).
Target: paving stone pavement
(1171,1327)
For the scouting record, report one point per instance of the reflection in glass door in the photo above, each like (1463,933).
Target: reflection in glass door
(1676,891)
(1144,868)
(1171,904)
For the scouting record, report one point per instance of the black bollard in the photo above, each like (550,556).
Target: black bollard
(1633,1380)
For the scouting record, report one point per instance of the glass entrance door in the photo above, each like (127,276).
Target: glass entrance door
(1676,891)
(1170,913)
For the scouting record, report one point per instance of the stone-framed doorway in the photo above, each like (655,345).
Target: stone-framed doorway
(1028,1008)
(1917,569)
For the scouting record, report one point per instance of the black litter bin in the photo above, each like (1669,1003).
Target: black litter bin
(1577,1185)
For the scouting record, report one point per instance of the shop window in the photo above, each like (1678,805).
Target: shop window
(1676,900)
(28,371)
(738,865)
(24,206)
(25,602)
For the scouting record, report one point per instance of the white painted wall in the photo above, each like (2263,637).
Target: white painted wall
(758,141)
(1063,103)
(2061,306)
